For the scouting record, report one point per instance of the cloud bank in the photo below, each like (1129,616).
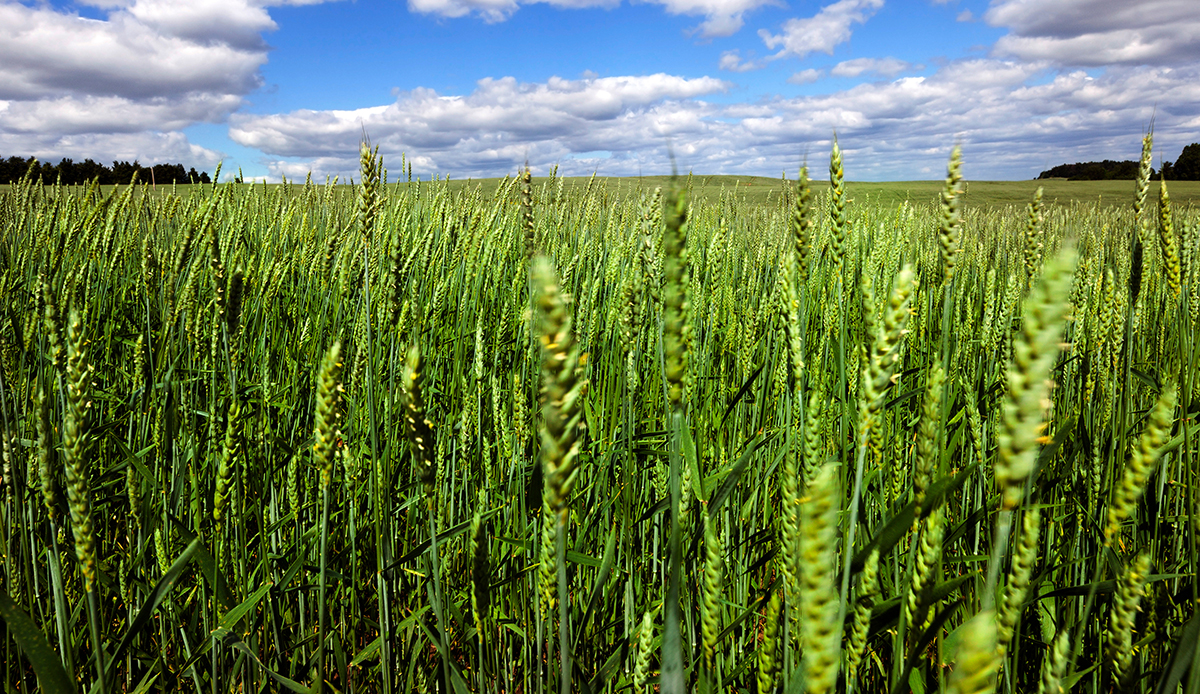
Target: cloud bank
(1011,124)
(1099,32)
(122,87)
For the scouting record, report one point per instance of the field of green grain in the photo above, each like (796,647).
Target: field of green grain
(551,435)
(760,191)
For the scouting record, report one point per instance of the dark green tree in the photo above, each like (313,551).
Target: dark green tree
(69,172)
(1187,166)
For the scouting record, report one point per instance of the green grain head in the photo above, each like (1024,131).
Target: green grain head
(950,219)
(418,428)
(76,446)
(768,649)
(802,227)
(837,205)
(1034,354)
(1018,579)
(1142,459)
(1168,243)
(1130,590)
(676,327)
(977,661)
(820,634)
(562,389)
(326,433)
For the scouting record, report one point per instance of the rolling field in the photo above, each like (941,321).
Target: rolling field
(759,191)
(615,435)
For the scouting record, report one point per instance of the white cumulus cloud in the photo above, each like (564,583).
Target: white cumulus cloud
(732,61)
(721,17)
(497,126)
(821,32)
(147,147)
(1099,32)
(884,67)
(805,76)
(76,86)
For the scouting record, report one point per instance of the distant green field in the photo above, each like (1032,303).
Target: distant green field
(760,190)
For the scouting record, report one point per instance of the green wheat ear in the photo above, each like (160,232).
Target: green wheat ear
(228,458)
(676,326)
(329,388)
(927,571)
(950,221)
(977,661)
(927,436)
(46,477)
(481,595)
(76,442)
(547,558)
(1141,227)
(645,647)
(885,353)
(802,225)
(768,656)
(1033,238)
(370,164)
(1054,666)
(820,635)
(814,443)
(53,326)
(161,551)
(1130,589)
(527,226)
(1034,353)
(1018,580)
(1145,454)
(866,593)
(562,389)
(1168,243)
(419,429)
(837,205)
(710,605)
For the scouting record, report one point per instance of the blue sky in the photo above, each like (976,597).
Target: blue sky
(474,88)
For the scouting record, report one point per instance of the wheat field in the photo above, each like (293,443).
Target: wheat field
(572,438)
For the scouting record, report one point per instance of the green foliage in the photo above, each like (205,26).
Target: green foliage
(1187,166)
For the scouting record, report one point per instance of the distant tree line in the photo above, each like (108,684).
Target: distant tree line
(1094,171)
(121,172)
(1185,168)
